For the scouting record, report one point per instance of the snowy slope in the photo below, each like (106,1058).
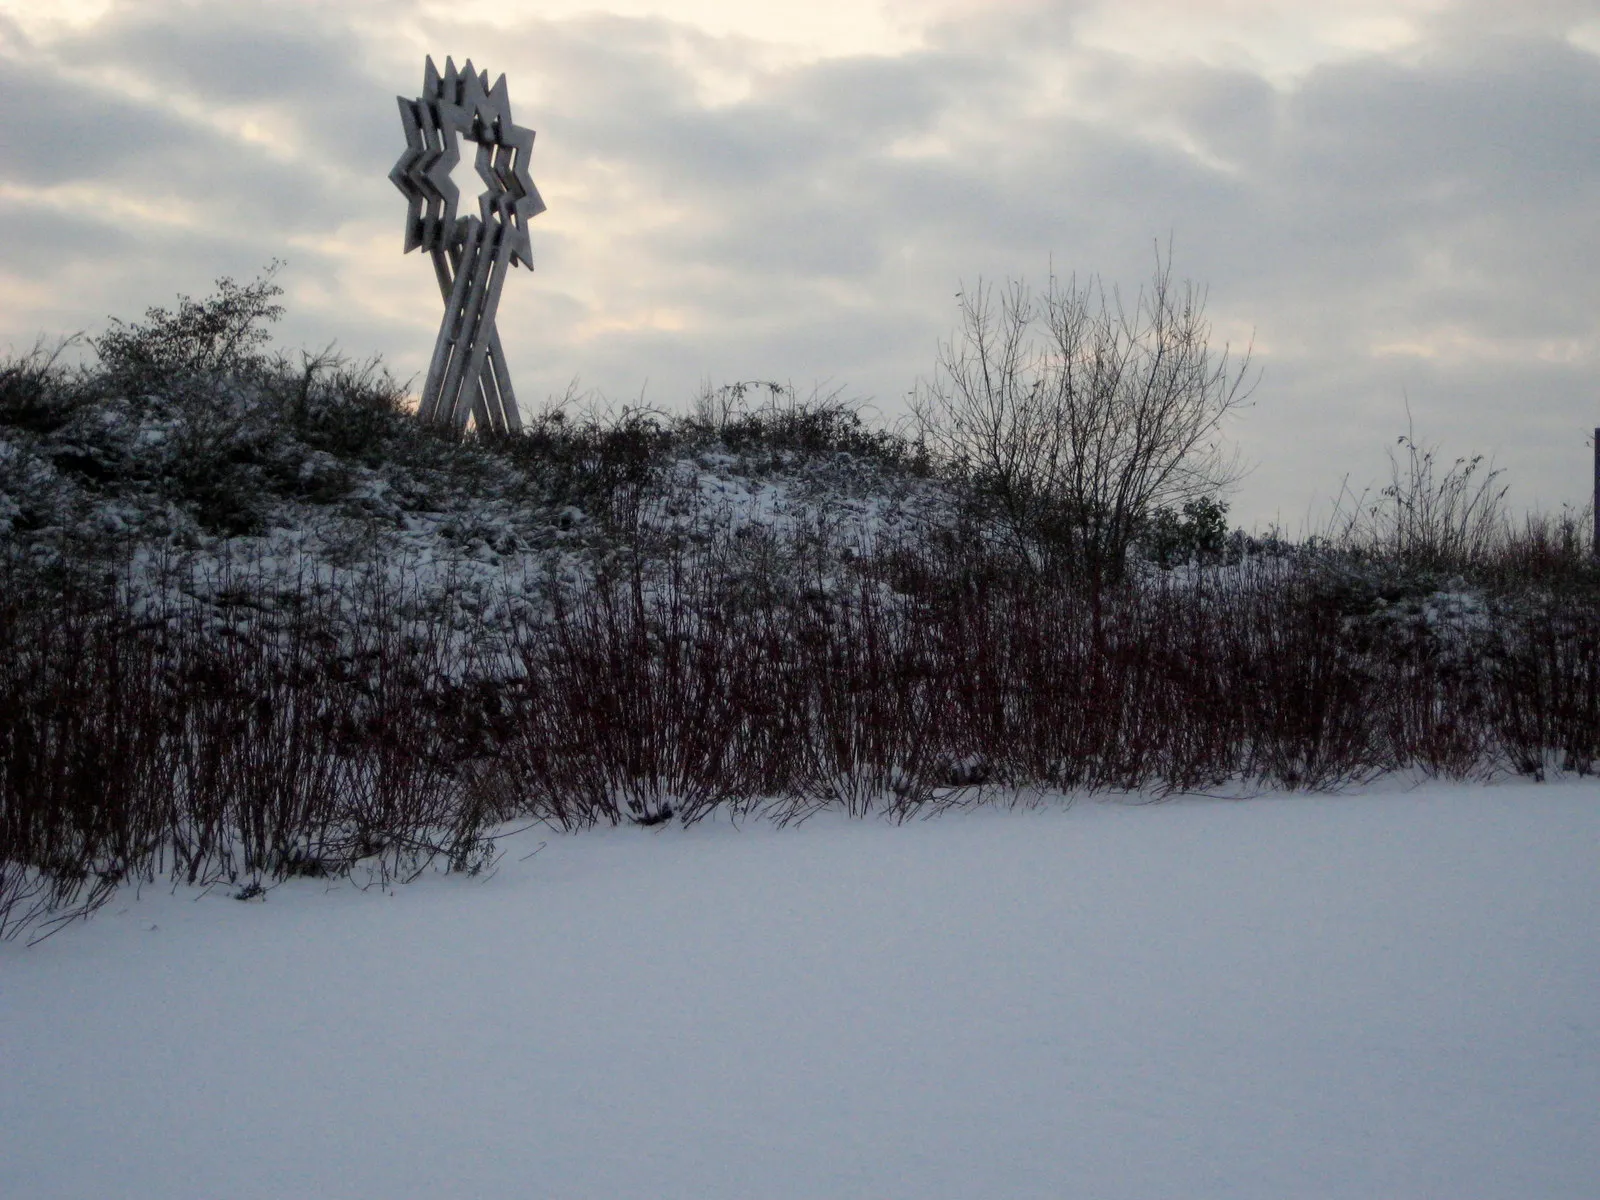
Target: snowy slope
(1380,995)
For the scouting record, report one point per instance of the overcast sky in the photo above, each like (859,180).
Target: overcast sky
(1397,200)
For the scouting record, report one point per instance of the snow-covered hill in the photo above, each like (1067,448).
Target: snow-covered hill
(201,483)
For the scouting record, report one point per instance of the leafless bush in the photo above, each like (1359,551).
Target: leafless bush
(635,702)
(38,393)
(1425,518)
(784,422)
(223,333)
(85,757)
(344,730)
(275,739)
(1542,683)
(1074,417)
(254,730)
(1546,550)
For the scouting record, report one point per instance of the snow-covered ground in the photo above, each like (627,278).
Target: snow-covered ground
(1394,994)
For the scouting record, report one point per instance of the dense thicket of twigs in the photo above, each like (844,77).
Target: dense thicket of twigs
(294,740)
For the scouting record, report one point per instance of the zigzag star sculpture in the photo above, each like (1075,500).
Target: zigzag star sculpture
(467,377)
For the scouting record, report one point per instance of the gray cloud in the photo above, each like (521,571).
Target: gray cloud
(1417,224)
(277,54)
(63,133)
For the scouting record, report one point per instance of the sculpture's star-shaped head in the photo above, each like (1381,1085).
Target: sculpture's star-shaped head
(454,106)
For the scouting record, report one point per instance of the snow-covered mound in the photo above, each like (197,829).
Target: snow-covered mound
(200,484)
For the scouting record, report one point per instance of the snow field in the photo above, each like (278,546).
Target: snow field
(1391,994)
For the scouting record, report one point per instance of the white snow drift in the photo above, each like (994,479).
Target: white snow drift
(1385,995)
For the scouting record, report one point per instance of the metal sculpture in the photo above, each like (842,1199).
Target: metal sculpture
(467,377)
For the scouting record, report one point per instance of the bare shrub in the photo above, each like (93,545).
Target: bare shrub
(86,762)
(224,332)
(876,696)
(1547,549)
(268,741)
(1425,517)
(38,392)
(605,465)
(1542,680)
(1074,417)
(634,702)
(784,422)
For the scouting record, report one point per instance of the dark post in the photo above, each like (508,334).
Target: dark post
(1595,511)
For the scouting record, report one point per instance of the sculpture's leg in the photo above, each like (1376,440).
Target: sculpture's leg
(485,257)
(466,306)
(468,375)
(478,369)
(436,407)
(444,270)
(486,409)
(441,395)
(502,383)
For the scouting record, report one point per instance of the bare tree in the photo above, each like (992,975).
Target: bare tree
(1074,417)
